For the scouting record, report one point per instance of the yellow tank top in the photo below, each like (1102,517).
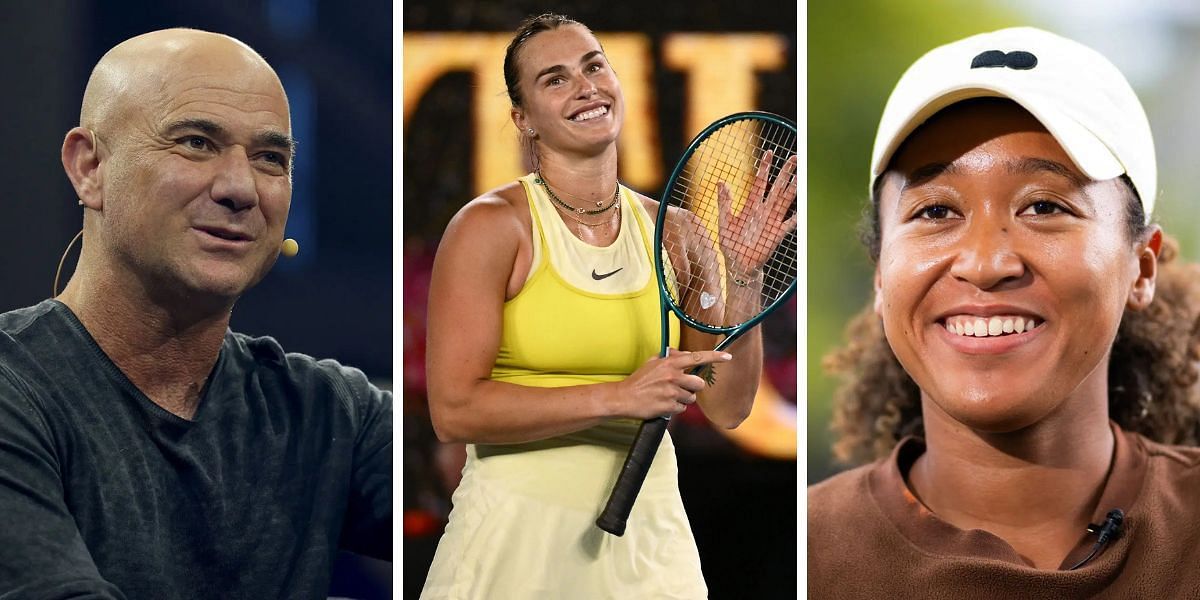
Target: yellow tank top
(586,314)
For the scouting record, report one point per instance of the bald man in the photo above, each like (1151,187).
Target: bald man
(146,451)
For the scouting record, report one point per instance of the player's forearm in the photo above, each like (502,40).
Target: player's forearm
(493,412)
(743,296)
(728,401)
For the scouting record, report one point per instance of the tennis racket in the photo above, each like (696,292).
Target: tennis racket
(725,240)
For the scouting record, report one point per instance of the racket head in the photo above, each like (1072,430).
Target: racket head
(730,151)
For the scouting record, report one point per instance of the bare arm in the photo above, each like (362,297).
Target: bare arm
(467,293)
(727,402)
(693,257)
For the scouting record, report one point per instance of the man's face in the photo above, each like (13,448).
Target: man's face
(986,226)
(197,183)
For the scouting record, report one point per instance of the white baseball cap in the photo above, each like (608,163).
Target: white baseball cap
(1076,93)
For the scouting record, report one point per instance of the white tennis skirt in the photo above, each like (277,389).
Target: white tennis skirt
(523,526)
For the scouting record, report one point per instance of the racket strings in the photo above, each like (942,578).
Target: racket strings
(716,258)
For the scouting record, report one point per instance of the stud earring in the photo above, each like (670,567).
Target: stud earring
(530,132)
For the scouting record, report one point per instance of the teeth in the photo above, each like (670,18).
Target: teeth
(591,114)
(972,326)
(995,326)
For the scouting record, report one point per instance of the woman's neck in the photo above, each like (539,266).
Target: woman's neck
(1036,487)
(589,178)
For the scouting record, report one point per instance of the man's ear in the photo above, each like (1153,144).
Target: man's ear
(81,161)
(1142,291)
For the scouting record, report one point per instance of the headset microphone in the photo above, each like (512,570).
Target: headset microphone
(289,248)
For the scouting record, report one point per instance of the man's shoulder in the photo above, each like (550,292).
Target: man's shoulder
(267,351)
(307,385)
(15,323)
(34,351)
(264,354)
(34,339)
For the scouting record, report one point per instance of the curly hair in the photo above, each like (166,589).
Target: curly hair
(1152,374)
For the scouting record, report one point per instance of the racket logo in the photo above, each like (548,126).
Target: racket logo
(598,277)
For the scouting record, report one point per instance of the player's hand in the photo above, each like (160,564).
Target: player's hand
(662,385)
(748,238)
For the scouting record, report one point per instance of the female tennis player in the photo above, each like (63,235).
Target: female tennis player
(542,353)
(1032,345)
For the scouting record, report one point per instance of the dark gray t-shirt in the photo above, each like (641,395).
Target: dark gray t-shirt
(103,494)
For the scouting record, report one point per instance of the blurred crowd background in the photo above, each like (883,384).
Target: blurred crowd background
(335,60)
(681,64)
(858,49)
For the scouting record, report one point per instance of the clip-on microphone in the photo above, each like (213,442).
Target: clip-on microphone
(1108,531)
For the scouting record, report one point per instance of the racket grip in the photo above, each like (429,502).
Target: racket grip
(633,474)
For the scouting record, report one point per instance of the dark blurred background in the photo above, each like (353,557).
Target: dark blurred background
(857,50)
(334,300)
(681,64)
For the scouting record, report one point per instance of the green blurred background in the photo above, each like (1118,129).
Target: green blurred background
(858,49)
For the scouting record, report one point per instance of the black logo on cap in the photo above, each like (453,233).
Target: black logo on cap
(1017,59)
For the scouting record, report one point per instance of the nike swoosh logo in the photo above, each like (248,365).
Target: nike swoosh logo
(606,275)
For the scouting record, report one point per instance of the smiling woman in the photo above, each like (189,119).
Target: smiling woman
(1031,346)
(542,353)
(1003,229)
